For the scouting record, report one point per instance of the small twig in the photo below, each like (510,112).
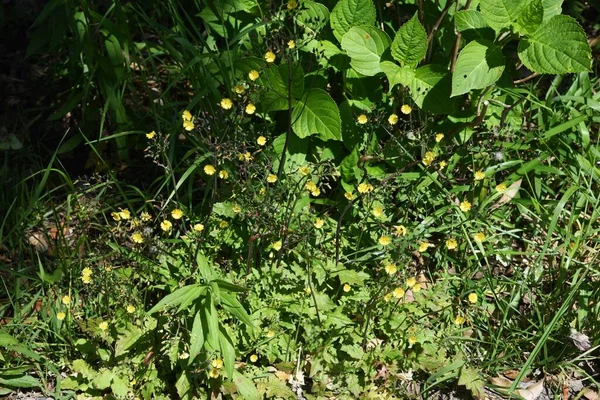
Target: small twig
(458,40)
(527,78)
(439,21)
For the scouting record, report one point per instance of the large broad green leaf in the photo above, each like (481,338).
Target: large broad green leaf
(430,89)
(349,13)
(313,16)
(500,14)
(472,25)
(531,17)
(196,336)
(279,79)
(227,352)
(559,46)
(410,43)
(397,74)
(479,64)
(317,113)
(349,164)
(182,295)
(365,45)
(232,304)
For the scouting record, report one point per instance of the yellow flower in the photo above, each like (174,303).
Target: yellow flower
(319,223)
(66,300)
(406,109)
(377,211)
(177,213)
(124,214)
(387,297)
(150,135)
(272,178)
(307,290)
(439,137)
(277,245)
(223,174)
(250,109)
(184,356)
(304,170)
(451,244)
(130,308)
(217,363)
(390,268)
(137,238)
(86,271)
(214,373)
(411,282)
(209,170)
(226,104)
(362,119)
(166,225)
(245,157)
(423,246)
(459,320)
(348,195)
(347,288)
(261,141)
(270,57)
(412,340)
(473,298)
(385,240)
(223,224)
(311,186)
(103,325)
(400,230)
(188,125)
(186,116)
(239,89)
(479,175)
(253,75)
(416,287)
(291,44)
(292,4)
(86,279)
(198,227)
(60,316)
(270,334)
(398,293)
(501,188)
(253,358)
(236,209)
(144,216)
(465,206)
(365,188)
(116,216)
(479,237)
(262,191)
(429,158)
(443,164)
(393,119)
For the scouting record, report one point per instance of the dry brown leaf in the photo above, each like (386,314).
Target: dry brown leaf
(509,194)
(39,242)
(589,394)
(284,376)
(533,391)
(500,381)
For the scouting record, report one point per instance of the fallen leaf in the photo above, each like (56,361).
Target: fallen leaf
(589,394)
(532,391)
(284,376)
(508,195)
(500,381)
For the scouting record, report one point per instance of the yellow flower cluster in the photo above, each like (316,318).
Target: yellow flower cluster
(86,275)
(122,214)
(429,158)
(313,188)
(400,230)
(217,365)
(187,120)
(365,188)
(451,244)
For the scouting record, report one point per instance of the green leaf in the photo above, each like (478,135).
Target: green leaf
(397,74)
(25,381)
(317,113)
(196,337)
(430,89)
(179,296)
(552,8)
(470,379)
(410,43)
(349,13)
(349,165)
(245,387)
(531,17)
(119,387)
(313,16)
(235,308)
(183,387)
(472,25)
(559,46)
(7,340)
(281,78)
(500,14)
(125,342)
(365,45)
(479,64)
(228,352)
(103,379)
(212,320)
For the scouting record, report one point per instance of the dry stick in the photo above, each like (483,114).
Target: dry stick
(458,39)
(289,129)
(527,78)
